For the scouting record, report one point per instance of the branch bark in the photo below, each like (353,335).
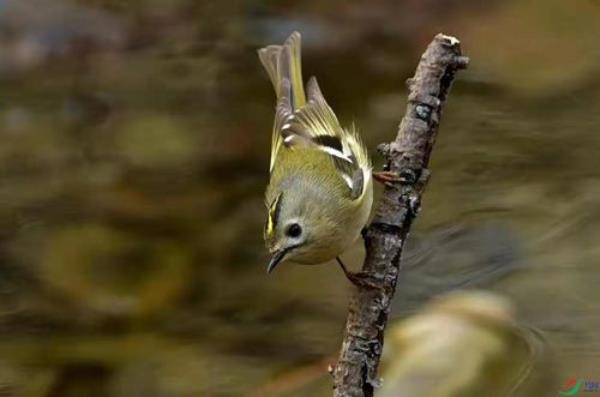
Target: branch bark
(407,157)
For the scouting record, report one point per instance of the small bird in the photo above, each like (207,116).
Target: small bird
(320,191)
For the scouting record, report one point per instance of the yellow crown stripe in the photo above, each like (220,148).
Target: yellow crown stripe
(272,219)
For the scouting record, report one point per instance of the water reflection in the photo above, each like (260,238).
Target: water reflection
(133,161)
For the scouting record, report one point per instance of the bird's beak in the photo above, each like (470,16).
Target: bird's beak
(276,259)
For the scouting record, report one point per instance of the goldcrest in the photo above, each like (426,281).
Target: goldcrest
(320,190)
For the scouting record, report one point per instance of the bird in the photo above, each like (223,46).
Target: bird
(320,189)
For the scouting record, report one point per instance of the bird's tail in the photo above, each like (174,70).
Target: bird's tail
(283,63)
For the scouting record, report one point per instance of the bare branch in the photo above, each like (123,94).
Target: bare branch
(407,157)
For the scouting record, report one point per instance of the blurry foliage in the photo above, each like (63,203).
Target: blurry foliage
(134,156)
(466,345)
(154,142)
(110,271)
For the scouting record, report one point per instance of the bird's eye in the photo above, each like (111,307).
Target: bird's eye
(293,230)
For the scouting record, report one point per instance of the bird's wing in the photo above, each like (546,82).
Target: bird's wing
(312,123)
(316,125)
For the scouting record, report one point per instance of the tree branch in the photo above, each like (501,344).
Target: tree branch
(407,157)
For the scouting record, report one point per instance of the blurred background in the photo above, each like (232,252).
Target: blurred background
(133,158)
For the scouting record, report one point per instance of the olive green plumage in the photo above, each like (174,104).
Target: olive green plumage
(320,190)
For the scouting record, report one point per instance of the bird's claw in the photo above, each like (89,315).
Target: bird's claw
(388,178)
(360,279)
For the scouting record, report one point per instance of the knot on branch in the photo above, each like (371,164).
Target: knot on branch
(423,112)
(413,203)
(461,62)
(408,176)
(384,149)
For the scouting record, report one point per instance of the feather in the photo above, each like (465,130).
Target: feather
(283,65)
(302,123)
(274,209)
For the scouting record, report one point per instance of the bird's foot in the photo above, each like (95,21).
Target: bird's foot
(387,177)
(359,279)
